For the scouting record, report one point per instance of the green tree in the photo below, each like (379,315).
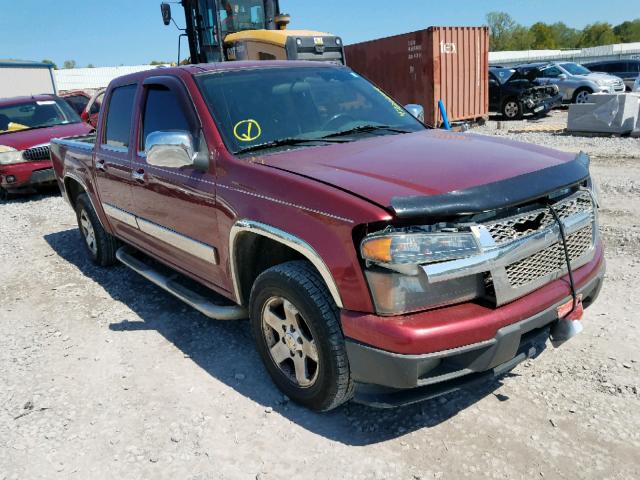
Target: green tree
(542,37)
(91,65)
(159,62)
(501,27)
(628,31)
(599,33)
(69,64)
(50,62)
(565,37)
(520,39)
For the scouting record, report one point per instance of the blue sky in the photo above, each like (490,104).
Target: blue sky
(114,32)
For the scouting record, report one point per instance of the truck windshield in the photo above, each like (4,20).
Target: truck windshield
(36,114)
(238,15)
(282,106)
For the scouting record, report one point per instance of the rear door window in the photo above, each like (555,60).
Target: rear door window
(162,112)
(77,102)
(119,116)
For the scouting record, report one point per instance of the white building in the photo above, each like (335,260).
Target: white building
(94,78)
(619,51)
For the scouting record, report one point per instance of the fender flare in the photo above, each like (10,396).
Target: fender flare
(291,241)
(77,179)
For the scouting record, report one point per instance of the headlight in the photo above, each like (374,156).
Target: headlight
(10,155)
(418,248)
(604,83)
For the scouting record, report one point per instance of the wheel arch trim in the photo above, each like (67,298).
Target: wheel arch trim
(287,239)
(77,179)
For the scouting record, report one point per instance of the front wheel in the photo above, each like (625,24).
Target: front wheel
(581,95)
(512,109)
(100,246)
(297,330)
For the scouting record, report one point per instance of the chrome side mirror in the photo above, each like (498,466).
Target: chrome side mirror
(416,110)
(563,76)
(170,149)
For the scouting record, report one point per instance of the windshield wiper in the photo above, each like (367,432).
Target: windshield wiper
(366,128)
(285,142)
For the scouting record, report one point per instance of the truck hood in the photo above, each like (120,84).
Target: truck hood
(23,139)
(420,164)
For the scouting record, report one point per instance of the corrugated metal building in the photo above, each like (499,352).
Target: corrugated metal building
(619,51)
(19,78)
(94,78)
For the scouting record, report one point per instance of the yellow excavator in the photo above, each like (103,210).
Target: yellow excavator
(227,30)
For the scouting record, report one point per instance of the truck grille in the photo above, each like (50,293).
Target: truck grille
(37,153)
(513,228)
(550,260)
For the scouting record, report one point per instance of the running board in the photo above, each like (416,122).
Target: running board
(191,298)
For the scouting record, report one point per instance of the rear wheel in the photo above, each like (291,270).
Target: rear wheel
(297,330)
(581,95)
(512,109)
(100,246)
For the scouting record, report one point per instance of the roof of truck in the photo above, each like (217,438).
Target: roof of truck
(223,66)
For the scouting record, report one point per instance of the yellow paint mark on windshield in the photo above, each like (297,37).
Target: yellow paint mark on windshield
(247,130)
(399,110)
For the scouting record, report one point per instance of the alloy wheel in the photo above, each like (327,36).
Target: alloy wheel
(88,232)
(290,342)
(582,97)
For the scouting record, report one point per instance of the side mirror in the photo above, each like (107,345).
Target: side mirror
(165,8)
(563,76)
(416,110)
(170,149)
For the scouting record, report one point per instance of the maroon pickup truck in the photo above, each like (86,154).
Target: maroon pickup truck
(375,258)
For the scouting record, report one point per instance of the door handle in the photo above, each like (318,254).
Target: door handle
(138,175)
(101,166)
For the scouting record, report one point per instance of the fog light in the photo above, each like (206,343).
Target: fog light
(10,179)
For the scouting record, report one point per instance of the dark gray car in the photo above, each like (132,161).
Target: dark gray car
(628,70)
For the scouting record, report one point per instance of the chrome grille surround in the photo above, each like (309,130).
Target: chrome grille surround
(38,153)
(520,260)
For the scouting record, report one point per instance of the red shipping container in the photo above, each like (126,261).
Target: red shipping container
(440,63)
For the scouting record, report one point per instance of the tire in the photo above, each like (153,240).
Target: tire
(581,95)
(100,246)
(5,194)
(293,320)
(512,109)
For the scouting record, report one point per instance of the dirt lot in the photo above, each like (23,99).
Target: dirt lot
(103,375)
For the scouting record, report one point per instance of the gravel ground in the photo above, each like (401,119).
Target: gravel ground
(103,375)
(601,146)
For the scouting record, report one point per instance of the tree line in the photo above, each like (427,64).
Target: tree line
(507,34)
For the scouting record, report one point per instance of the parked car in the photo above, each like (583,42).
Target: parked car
(513,93)
(77,99)
(374,257)
(27,125)
(92,108)
(575,82)
(628,70)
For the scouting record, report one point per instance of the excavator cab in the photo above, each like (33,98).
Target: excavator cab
(227,30)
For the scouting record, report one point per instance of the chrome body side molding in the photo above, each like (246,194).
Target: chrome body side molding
(291,241)
(182,242)
(120,215)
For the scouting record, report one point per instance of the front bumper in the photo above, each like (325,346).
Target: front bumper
(415,357)
(25,175)
(545,105)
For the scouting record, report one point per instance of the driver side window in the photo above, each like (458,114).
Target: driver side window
(551,72)
(162,112)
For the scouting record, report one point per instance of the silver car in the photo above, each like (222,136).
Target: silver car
(575,81)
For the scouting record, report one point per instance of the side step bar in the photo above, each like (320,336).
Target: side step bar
(191,298)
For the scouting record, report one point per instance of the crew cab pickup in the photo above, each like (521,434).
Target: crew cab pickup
(374,257)
(27,125)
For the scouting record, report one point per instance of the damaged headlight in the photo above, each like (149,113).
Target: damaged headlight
(418,248)
(10,155)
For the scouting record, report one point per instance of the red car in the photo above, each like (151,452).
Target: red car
(27,125)
(377,259)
